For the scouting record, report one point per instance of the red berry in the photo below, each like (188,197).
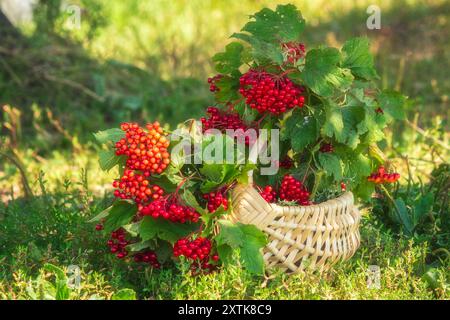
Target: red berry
(216,199)
(268,194)
(99,227)
(270,93)
(149,257)
(197,251)
(222,120)
(326,147)
(293,190)
(286,163)
(212,83)
(381,176)
(170,209)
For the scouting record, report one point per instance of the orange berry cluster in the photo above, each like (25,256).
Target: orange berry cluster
(136,186)
(381,176)
(146,150)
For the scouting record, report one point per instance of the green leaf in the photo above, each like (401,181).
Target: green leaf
(322,73)
(191,201)
(392,103)
(422,207)
(403,216)
(247,239)
(138,246)
(282,25)
(334,123)
(301,130)
(120,214)
(229,61)
(164,251)
(358,59)
(108,159)
(133,228)
(230,234)
(163,229)
(225,253)
(103,214)
(364,190)
(217,175)
(113,135)
(263,52)
(269,29)
(61,287)
(124,294)
(250,252)
(431,277)
(228,89)
(359,167)
(215,172)
(331,164)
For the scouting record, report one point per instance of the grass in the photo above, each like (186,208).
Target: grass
(128,63)
(62,237)
(52,228)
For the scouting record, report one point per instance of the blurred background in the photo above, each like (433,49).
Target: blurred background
(70,68)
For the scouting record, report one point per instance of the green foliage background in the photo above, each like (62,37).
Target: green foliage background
(146,60)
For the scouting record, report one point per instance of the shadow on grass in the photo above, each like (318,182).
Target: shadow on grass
(54,229)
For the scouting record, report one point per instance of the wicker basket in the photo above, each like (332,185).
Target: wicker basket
(315,236)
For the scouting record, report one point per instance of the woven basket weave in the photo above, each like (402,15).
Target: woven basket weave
(315,236)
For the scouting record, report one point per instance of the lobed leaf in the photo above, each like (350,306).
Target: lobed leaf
(357,58)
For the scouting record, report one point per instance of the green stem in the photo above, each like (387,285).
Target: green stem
(388,195)
(14,159)
(317,179)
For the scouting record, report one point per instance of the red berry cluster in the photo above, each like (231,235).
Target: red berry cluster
(293,190)
(146,150)
(268,93)
(171,210)
(286,163)
(381,176)
(149,257)
(212,83)
(294,51)
(136,186)
(343,187)
(216,199)
(326,148)
(268,194)
(117,243)
(198,251)
(222,120)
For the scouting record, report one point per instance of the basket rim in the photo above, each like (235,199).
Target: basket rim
(346,197)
